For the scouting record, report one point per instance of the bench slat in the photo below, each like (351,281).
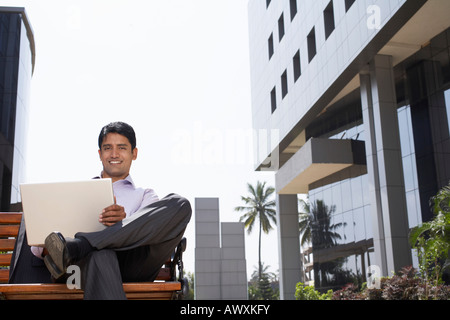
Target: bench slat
(9,230)
(7,244)
(151,286)
(159,295)
(59,291)
(5,259)
(162,295)
(10,218)
(41,296)
(164,273)
(135,287)
(4,275)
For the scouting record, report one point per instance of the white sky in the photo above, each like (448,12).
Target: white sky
(176,70)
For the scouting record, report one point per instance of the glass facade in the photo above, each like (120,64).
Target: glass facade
(342,236)
(15,78)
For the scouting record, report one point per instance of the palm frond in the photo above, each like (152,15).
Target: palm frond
(258,207)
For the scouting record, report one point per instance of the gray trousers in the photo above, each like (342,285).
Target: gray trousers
(133,249)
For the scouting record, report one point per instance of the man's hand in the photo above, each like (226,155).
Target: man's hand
(112,214)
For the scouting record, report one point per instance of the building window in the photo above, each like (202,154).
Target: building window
(312,44)
(281,27)
(267,3)
(348,4)
(328,16)
(447,104)
(284,84)
(273,99)
(297,66)
(293,5)
(270,44)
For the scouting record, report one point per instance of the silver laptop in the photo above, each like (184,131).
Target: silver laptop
(67,207)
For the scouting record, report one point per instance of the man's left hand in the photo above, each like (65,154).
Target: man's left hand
(112,214)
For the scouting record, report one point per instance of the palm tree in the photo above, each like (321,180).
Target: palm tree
(305,218)
(315,224)
(324,233)
(258,207)
(263,287)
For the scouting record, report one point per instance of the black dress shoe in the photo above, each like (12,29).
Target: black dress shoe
(58,258)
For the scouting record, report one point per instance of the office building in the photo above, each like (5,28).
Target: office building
(17,56)
(353,96)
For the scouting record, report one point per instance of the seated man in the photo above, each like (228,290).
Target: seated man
(142,230)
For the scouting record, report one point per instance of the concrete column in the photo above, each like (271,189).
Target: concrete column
(288,245)
(220,266)
(431,130)
(439,122)
(384,164)
(207,250)
(233,265)
(372,172)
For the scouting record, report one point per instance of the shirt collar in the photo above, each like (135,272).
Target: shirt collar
(128,179)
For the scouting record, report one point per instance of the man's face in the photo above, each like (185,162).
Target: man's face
(116,156)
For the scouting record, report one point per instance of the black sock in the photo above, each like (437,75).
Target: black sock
(79,248)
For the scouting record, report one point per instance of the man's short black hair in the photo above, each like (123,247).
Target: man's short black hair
(120,128)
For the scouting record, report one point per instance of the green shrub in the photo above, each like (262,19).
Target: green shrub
(431,239)
(303,292)
(408,284)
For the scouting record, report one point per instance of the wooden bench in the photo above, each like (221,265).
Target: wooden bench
(168,285)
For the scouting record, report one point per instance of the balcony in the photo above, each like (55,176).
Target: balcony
(320,162)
